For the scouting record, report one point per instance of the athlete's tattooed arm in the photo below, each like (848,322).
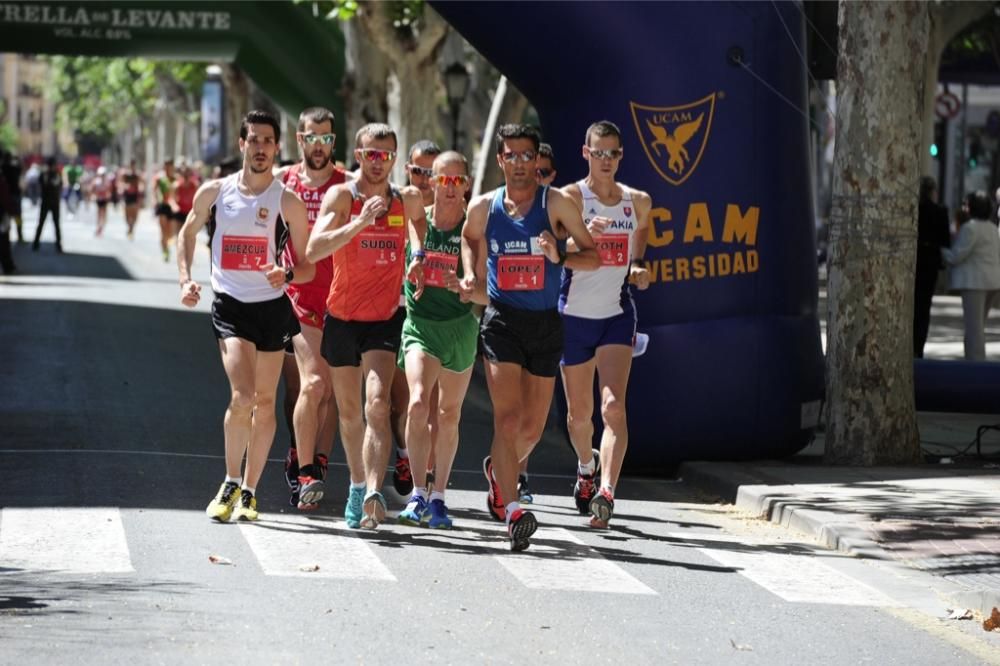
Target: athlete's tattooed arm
(297,218)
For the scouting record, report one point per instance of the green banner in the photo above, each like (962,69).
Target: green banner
(296,58)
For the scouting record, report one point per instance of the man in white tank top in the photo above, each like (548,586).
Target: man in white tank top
(250,215)
(600,319)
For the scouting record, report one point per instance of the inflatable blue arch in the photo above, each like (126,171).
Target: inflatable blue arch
(710,98)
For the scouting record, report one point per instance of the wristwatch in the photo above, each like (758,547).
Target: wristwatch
(562,257)
(419,256)
(289,275)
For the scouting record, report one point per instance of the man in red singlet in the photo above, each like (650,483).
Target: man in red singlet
(365,225)
(314,418)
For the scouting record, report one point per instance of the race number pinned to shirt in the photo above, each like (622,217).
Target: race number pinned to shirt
(378,248)
(244,253)
(613,249)
(436,265)
(521,272)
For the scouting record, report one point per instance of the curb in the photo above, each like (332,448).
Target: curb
(768,498)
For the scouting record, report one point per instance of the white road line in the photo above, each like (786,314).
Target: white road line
(299,546)
(64,540)
(794,578)
(571,566)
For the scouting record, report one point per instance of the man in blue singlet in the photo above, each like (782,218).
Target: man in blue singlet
(521,229)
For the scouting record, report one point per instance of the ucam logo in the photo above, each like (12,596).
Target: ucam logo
(674,137)
(515,247)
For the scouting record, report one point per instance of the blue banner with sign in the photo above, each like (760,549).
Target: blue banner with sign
(711,100)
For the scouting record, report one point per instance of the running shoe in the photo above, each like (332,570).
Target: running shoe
(520,528)
(602,507)
(247,508)
(292,474)
(524,495)
(310,492)
(584,490)
(494,502)
(221,508)
(402,478)
(414,512)
(323,462)
(373,512)
(352,512)
(436,516)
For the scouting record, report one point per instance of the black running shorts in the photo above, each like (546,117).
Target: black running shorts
(267,324)
(532,339)
(345,341)
(163,209)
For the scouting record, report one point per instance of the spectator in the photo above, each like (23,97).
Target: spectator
(932,236)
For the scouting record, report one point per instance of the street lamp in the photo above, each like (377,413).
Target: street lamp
(456,84)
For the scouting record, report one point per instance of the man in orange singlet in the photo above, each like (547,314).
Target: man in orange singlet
(365,225)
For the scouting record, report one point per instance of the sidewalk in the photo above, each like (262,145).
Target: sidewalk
(943,519)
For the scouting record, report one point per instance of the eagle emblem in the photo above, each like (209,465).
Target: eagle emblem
(262,213)
(674,137)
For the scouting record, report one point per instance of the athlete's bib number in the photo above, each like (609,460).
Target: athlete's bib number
(521,273)
(613,249)
(378,248)
(436,264)
(244,253)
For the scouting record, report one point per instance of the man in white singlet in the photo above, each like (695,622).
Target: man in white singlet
(250,215)
(599,318)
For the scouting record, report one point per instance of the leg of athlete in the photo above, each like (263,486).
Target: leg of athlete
(422,371)
(347,390)
(314,392)
(290,375)
(614,362)
(266,377)
(578,381)
(239,358)
(165,225)
(379,367)
(399,399)
(451,394)
(503,380)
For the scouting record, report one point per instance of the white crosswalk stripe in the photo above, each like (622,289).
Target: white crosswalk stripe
(64,540)
(298,546)
(794,578)
(568,565)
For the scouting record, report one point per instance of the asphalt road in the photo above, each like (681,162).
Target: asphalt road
(111,404)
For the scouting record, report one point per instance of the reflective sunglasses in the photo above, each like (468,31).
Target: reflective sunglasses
(608,154)
(513,157)
(376,155)
(419,171)
(457,181)
(312,139)
(544,173)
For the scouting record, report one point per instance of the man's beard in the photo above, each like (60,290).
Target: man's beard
(318,163)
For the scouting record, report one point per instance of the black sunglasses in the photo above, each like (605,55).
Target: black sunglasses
(544,173)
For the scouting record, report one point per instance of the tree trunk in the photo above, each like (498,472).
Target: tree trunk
(364,87)
(871,417)
(412,56)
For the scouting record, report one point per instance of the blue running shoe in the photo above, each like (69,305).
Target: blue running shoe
(414,512)
(352,512)
(436,516)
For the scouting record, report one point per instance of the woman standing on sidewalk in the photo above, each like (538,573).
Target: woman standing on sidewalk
(974,258)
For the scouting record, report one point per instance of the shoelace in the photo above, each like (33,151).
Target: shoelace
(227,492)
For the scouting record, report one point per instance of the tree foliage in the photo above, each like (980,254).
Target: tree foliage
(101,96)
